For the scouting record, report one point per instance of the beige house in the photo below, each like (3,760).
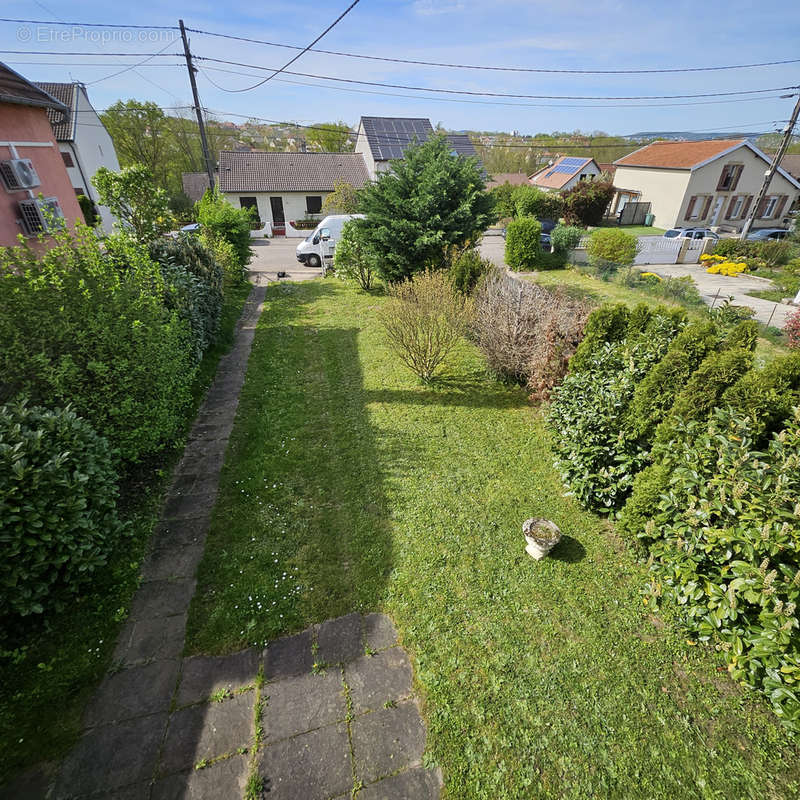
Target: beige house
(710,184)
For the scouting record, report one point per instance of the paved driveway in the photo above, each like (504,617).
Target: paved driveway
(274,255)
(715,289)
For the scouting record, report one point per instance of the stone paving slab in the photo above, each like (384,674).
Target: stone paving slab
(379,679)
(413,784)
(150,639)
(291,655)
(205,732)
(340,639)
(223,780)
(202,676)
(162,598)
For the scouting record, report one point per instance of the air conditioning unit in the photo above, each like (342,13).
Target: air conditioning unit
(19,173)
(41,215)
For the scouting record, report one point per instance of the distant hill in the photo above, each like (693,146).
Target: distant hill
(689,136)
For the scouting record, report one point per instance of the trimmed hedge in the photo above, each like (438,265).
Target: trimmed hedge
(87,325)
(523,245)
(58,518)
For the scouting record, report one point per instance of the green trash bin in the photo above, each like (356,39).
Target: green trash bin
(648,220)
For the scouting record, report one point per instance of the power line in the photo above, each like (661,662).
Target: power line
(485,102)
(497,68)
(416,62)
(128,68)
(304,50)
(737,92)
(85,53)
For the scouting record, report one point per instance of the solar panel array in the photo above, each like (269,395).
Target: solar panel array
(389,137)
(568,166)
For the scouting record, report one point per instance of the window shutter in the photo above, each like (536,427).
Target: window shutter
(706,207)
(746,206)
(781,203)
(737,173)
(762,207)
(721,181)
(690,207)
(729,212)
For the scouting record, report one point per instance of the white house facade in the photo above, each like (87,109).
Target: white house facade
(84,142)
(710,183)
(564,173)
(285,188)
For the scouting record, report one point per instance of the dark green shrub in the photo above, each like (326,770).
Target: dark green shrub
(222,220)
(87,325)
(595,455)
(353,260)
(732,248)
(193,282)
(703,392)
(58,518)
(531,201)
(466,269)
(89,210)
(767,395)
(523,245)
(504,204)
(552,260)
(606,324)
(642,505)
(586,202)
(775,253)
(609,249)
(656,393)
(724,549)
(565,238)
(234,273)
(744,335)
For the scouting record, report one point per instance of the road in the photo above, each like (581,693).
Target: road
(275,255)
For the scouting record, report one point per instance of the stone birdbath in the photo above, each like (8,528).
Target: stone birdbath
(542,536)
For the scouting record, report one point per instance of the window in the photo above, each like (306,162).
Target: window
(313,204)
(737,207)
(729,177)
(79,191)
(769,208)
(67,157)
(583,176)
(252,203)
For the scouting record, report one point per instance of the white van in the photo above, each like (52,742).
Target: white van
(317,248)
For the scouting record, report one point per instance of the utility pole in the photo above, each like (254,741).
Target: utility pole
(773,167)
(197,109)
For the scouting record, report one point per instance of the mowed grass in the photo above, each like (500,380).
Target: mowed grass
(350,486)
(50,666)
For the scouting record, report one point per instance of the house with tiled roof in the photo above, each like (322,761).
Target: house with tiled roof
(710,183)
(286,187)
(83,141)
(564,173)
(512,178)
(381,139)
(35,191)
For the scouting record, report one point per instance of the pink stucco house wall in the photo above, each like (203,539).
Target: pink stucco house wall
(25,132)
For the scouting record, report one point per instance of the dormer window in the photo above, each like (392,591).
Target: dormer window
(729,177)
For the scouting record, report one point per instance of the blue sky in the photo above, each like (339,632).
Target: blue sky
(567,34)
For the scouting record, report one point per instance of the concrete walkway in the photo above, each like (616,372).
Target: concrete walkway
(328,713)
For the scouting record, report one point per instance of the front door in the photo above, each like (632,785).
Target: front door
(717,208)
(278,220)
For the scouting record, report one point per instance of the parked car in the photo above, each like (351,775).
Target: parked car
(690,233)
(766,234)
(316,250)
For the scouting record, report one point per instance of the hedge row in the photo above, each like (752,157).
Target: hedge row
(668,426)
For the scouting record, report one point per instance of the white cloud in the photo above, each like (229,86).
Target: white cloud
(430,8)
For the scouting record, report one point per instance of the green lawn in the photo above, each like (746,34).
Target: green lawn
(50,667)
(350,486)
(639,230)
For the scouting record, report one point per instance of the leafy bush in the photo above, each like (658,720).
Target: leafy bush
(607,324)
(531,201)
(193,281)
(610,248)
(87,325)
(682,290)
(792,329)
(586,202)
(774,253)
(466,269)
(734,249)
(425,321)
(565,238)
(656,393)
(527,332)
(58,519)
(523,245)
(342,200)
(594,454)
(89,210)
(503,196)
(234,272)
(353,260)
(430,201)
(223,221)
(724,548)
(134,199)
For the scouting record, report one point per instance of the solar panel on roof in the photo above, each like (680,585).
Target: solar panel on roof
(390,137)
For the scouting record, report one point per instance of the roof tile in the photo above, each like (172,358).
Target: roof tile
(65,93)
(677,155)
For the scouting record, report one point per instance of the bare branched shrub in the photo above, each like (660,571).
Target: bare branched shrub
(526,332)
(425,320)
